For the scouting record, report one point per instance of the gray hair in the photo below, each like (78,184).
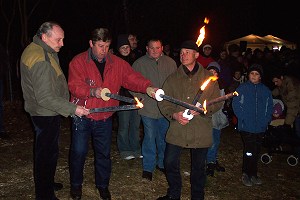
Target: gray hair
(46,28)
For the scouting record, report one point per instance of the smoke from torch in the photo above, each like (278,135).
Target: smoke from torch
(202,33)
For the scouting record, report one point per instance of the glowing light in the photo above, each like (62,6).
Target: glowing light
(204,107)
(202,33)
(138,103)
(213,78)
(235,93)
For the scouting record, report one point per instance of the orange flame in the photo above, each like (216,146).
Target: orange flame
(213,78)
(138,103)
(235,93)
(202,33)
(204,107)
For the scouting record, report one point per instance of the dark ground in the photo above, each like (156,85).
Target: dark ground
(280,181)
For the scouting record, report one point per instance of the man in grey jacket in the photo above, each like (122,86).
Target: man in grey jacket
(46,96)
(196,133)
(156,67)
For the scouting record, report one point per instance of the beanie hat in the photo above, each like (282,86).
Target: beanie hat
(206,46)
(122,40)
(256,67)
(215,66)
(189,44)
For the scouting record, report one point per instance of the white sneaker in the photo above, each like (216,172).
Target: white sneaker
(129,157)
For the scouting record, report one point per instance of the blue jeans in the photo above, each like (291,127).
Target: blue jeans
(198,175)
(47,129)
(101,134)
(154,139)
(212,153)
(128,138)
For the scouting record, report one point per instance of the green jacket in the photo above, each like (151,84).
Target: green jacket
(45,89)
(290,95)
(157,72)
(198,132)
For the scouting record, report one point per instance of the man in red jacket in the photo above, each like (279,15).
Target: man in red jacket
(89,73)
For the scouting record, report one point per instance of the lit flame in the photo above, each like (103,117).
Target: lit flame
(235,93)
(204,107)
(202,33)
(213,78)
(138,103)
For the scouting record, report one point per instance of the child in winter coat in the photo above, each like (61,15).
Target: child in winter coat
(253,108)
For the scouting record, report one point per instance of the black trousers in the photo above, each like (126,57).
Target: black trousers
(47,129)
(252,145)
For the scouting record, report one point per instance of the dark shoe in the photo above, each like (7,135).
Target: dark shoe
(104,193)
(147,176)
(210,169)
(219,168)
(256,180)
(76,193)
(246,180)
(161,169)
(167,198)
(58,186)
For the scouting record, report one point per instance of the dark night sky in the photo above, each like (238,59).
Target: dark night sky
(171,20)
(176,21)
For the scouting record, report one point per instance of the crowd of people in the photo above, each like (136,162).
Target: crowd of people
(133,72)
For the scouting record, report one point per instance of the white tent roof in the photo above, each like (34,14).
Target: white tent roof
(255,41)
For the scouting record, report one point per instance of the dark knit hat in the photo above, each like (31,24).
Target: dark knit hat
(122,40)
(256,67)
(189,44)
(215,66)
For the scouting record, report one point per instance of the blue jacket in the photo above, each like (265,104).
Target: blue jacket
(253,107)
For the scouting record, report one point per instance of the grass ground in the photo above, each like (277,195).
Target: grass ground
(280,181)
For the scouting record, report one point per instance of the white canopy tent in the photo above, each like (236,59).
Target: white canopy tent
(254,41)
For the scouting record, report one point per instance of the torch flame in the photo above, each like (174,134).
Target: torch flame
(235,93)
(206,20)
(204,107)
(202,33)
(138,103)
(213,78)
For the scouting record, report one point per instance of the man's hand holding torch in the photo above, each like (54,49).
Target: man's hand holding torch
(81,111)
(180,119)
(96,92)
(151,91)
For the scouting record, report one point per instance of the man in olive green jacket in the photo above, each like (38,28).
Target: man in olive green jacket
(46,96)
(196,133)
